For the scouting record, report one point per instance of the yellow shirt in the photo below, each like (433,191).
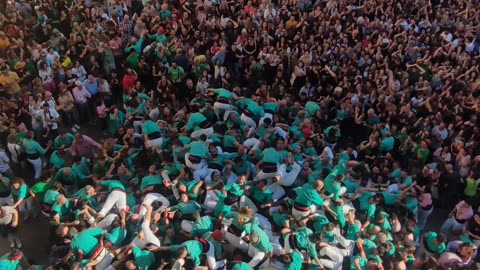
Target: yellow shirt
(10,83)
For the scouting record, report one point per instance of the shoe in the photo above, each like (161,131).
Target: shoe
(19,243)
(74,130)
(12,244)
(76,126)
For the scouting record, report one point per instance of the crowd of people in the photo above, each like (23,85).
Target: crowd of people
(259,134)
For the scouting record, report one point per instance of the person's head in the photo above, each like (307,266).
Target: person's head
(181,253)
(17,182)
(61,200)
(184,198)
(440,239)
(78,138)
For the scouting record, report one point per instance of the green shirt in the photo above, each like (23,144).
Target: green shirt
(32,147)
(263,243)
(390,198)
(116,236)
(21,192)
(312,108)
(194,120)
(241,266)
(270,155)
(143,258)
(194,250)
(62,210)
(112,185)
(352,232)
(202,225)
(307,196)
(150,127)
(175,73)
(174,169)
(50,197)
(387,144)
(86,241)
(150,181)
(297,261)
(198,149)
(303,242)
(58,142)
(366,206)
(189,208)
(56,160)
(223,93)
(429,242)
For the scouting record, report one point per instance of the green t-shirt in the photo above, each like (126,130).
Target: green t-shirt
(189,208)
(143,258)
(149,127)
(429,241)
(21,192)
(202,225)
(86,241)
(112,185)
(67,142)
(303,242)
(56,160)
(194,250)
(150,181)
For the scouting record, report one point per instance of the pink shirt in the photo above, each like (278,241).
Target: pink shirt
(86,148)
(463,212)
(81,95)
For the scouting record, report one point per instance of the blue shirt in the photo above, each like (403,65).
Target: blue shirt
(92,88)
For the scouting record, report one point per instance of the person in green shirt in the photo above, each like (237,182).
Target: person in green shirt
(176,73)
(61,206)
(63,140)
(241,266)
(432,244)
(259,247)
(12,260)
(33,152)
(387,143)
(133,59)
(116,197)
(22,197)
(57,159)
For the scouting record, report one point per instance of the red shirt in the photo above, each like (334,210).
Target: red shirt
(128,81)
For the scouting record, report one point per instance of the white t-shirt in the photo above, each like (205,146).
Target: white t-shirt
(45,116)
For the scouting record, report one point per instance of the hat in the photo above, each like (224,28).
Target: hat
(307,132)
(161,30)
(78,83)
(217,235)
(19,65)
(338,90)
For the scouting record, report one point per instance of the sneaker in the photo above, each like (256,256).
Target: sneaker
(76,126)
(74,130)
(19,243)
(178,264)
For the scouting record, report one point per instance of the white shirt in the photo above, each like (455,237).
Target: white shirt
(50,114)
(14,150)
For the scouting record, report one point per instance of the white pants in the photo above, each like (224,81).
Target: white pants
(156,143)
(116,198)
(252,143)
(37,166)
(288,178)
(151,198)
(106,223)
(235,241)
(187,225)
(263,175)
(212,262)
(211,200)
(298,215)
(26,207)
(204,131)
(6,200)
(105,260)
(245,201)
(277,191)
(250,123)
(148,237)
(217,106)
(256,255)
(335,254)
(195,166)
